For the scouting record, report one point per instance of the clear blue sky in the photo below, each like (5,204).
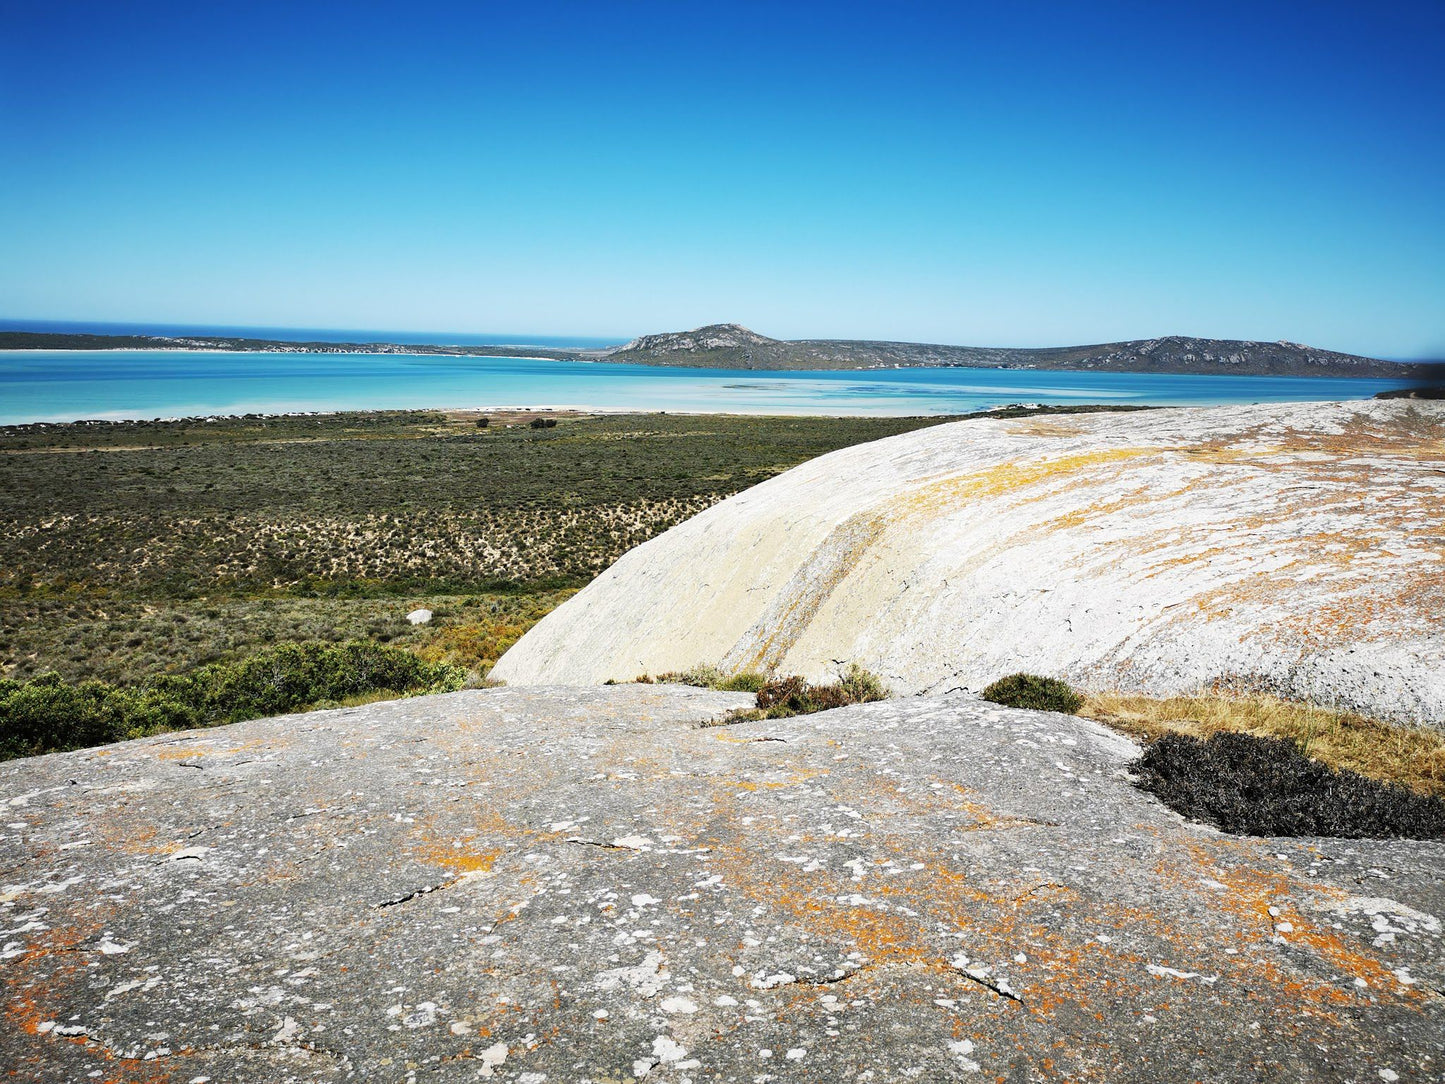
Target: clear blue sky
(992,173)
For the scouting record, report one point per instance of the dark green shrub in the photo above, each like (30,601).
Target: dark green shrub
(46,714)
(710,677)
(1035,693)
(1264,787)
(745,682)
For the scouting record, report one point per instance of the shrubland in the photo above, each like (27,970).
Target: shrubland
(141,554)
(47,714)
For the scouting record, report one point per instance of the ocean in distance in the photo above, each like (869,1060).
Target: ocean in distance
(67,385)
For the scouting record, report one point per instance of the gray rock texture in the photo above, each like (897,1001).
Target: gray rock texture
(1297,549)
(585,885)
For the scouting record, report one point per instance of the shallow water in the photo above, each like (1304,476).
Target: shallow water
(64,385)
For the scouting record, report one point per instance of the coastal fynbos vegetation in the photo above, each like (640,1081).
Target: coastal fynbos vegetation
(710,677)
(1265,787)
(780,697)
(1034,693)
(47,714)
(359,504)
(140,562)
(1411,757)
(1260,765)
(134,549)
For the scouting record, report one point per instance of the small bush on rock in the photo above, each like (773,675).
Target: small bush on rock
(782,697)
(1034,693)
(745,682)
(710,677)
(1264,787)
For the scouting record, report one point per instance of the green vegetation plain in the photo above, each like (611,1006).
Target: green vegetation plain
(134,549)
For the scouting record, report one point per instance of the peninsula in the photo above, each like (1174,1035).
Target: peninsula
(732,346)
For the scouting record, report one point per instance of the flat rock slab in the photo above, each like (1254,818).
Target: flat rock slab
(587,885)
(1295,548)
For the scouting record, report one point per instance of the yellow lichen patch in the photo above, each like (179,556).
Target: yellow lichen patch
(1250,893)
(125,837)
(1045,427)
(985,819)
(1131,500)
(894,910)
(458,859)
(954,492)
(185,752)
(795,778)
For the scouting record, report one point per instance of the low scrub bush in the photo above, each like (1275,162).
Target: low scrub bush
(1035,693)
(1411,756)
(47,714)
(783,697)
(1265,787)
(710,677)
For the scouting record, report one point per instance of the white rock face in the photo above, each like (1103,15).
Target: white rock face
(1295,548)
(419,617)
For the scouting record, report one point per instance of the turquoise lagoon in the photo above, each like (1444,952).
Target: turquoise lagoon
(65,385)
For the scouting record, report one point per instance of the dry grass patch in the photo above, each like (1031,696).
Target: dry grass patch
(1408,756)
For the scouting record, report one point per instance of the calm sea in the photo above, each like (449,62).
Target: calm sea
(64,385)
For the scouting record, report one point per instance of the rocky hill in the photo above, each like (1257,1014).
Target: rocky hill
(731,346)
(1288,548)
(549,885)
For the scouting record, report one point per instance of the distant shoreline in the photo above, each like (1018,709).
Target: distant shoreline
(736,348)
(513,415)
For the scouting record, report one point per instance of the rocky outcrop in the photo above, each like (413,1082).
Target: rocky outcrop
(583,885)
(735,347)
(1298,549)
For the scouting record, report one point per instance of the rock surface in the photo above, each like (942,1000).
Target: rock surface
(581,885)
(1298,549)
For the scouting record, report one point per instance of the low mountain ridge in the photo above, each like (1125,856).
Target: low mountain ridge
(732,346)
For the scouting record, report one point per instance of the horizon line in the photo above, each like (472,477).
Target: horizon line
(368,336)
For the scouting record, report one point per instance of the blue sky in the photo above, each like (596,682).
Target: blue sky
(1005,174)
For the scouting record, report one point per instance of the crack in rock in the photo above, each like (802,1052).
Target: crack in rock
(423,891)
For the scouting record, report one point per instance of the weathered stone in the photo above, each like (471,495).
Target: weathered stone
(585,884)
(419,617)
(1297,548)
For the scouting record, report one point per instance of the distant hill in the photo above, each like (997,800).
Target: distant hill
(732,346)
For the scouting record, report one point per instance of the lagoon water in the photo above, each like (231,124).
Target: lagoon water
(65,385)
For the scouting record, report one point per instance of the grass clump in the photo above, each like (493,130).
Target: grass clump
(1265,787)
(1034,693)
(710,677)
(1407,756)
(47,714)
